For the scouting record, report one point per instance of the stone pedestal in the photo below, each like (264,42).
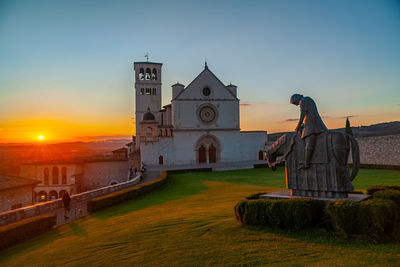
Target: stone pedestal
(287,195)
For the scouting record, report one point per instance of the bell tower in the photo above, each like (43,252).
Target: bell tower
(147,91)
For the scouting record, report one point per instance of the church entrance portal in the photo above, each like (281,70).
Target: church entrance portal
(212,154)
(208,149)
(202,154)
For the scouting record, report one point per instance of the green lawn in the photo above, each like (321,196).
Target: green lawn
(191,222)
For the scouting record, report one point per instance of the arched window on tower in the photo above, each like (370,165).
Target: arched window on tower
(46,176)
(55,175)
(148,74)
(260,155)
(149,132)
(64,175)
(160,160)
(154,75)
(141,74)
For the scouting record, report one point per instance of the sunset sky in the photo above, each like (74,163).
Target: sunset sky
(66,66)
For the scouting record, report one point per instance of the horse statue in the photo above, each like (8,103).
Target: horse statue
(328,174)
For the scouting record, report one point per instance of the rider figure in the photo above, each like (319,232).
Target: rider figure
(310,124)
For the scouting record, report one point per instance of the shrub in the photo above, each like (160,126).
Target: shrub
(15,232)
(372,189)
(345,216)
(380,218)
(375,218)
(255,196)
(283,213)
(388,194)
(109,200)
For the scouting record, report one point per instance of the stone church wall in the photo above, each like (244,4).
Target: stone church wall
(103,173)
(251,143)
(382,150)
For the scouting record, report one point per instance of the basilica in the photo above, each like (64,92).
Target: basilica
(199,128)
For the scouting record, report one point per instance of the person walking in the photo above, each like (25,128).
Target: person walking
(67,207)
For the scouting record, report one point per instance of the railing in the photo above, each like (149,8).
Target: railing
(51,206)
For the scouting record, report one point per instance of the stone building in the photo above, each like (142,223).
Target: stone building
(201,126)
(16,192)
(74,176)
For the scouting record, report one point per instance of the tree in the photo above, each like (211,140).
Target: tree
(348,128)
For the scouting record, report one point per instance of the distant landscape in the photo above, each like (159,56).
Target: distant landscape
(13,154)
(380,129)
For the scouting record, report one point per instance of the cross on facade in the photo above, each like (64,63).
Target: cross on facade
(147,56)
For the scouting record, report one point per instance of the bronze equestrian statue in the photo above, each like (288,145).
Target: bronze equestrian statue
(315,158)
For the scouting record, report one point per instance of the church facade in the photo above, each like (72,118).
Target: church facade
(199,128)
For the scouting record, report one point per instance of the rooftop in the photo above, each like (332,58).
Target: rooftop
(11,181)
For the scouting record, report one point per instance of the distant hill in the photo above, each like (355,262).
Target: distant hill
(380,129)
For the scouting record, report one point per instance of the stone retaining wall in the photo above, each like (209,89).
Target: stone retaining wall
(77,201)
(380,150)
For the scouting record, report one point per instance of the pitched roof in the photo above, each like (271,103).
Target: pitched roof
(206,69)
(11,181)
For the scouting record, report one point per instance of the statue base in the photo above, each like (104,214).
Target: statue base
(288,195)
(323,194)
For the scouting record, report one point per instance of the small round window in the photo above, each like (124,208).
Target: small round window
(206,91)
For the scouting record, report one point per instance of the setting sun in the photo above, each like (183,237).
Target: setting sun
(40,137)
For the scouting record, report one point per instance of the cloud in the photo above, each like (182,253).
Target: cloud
(289,120)
(249,103)
(398,105)
(349,116)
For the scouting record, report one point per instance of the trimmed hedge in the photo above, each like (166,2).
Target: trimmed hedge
(372,189)
(255,196)
(375,218)
(109,200)
(283,213)
(22,230)
(388,194)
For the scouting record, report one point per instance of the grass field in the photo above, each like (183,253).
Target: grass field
(191,222)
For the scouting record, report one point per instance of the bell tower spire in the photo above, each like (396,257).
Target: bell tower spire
(147,91)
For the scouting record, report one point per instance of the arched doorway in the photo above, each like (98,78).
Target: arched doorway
(260,155)
(212,154)
(202,154)
(42,196)
(61,194)
(53,195)
(208,149)
(160,160)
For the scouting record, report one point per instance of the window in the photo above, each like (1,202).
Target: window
(160,160)
(206,91)
(154,91)
(46,176)
(142,91)
(55,175)
(149,132)
(141,74)
(260,155)
(148,91)
(64,175)
(148,74)
(154,75)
